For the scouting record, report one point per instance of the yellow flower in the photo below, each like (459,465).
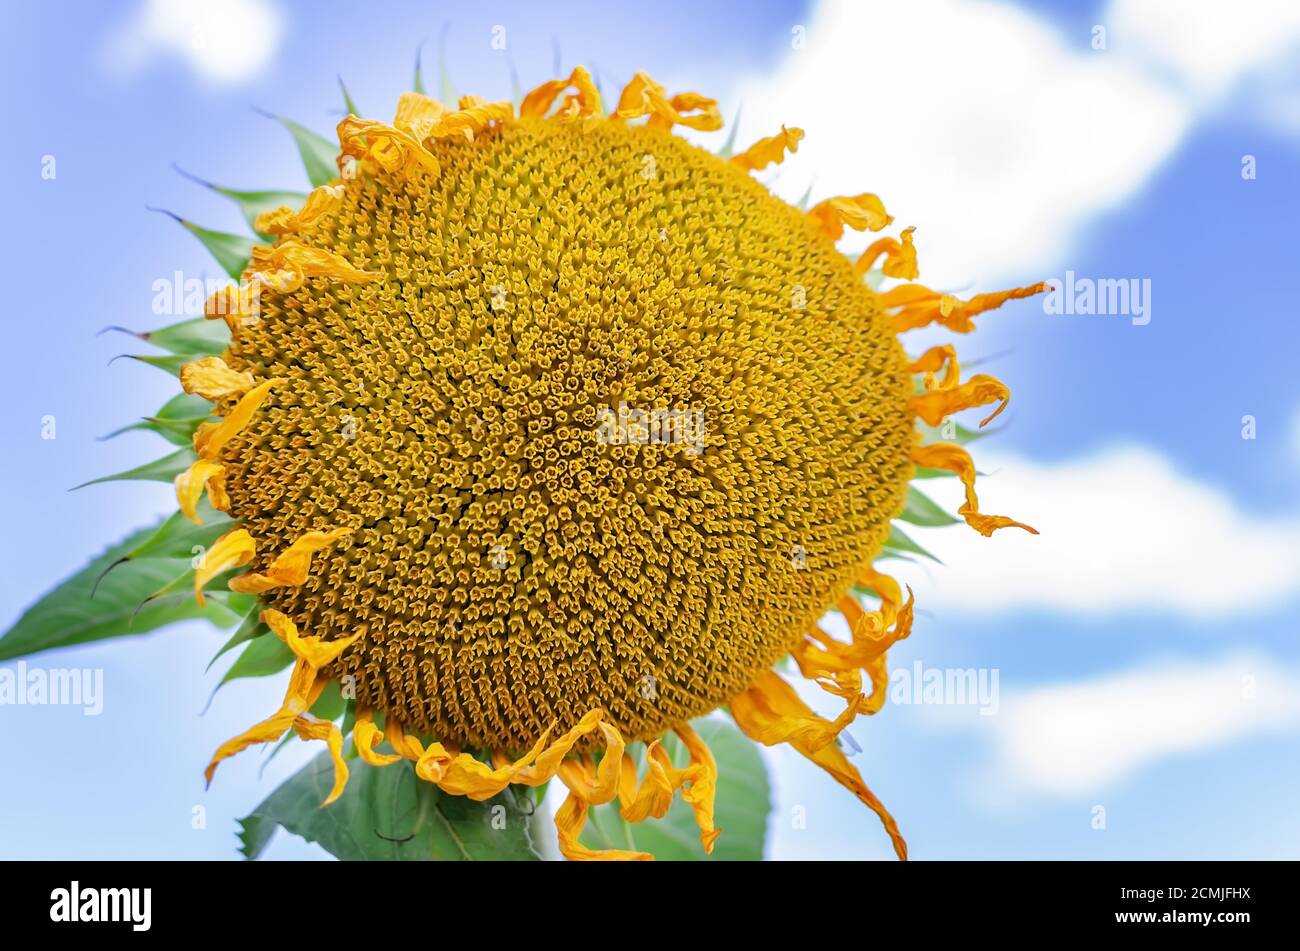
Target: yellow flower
(413,445)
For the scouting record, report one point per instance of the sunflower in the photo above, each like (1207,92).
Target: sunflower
(543,432)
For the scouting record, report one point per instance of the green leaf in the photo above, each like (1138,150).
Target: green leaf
(348,104)
(264,656)
(165,469)
(417,81)
(230,251)
(197,337)
(899,540)
(251,627)
(170,364)
(923,510)
(959,434)
(388,813)
(729,146)
(177,537)
(319,155)
(252,203)
(70,615)
(923,472)
(742,805)
(176,421)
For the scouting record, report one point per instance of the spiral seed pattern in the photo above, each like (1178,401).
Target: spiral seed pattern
(511,569)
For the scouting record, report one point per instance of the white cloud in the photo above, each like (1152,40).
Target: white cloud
(1207,45)
(1078,738)
(978,123)
(223,42)
(1120,531)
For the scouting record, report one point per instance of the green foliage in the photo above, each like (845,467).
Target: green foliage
(69,614)
(388,813)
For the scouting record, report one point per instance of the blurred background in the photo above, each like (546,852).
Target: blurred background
(1140,656)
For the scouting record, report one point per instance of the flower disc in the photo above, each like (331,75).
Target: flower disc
(614,429)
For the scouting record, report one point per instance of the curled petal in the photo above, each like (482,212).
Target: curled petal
(366,736)
(980,390)
(310,728)
(900,257)
(229,551)
(388,148)
(290,567)
(859,212)
(769,711)
(417,114)
(585,98)
(702,775)
(322,201)
(191,483)
(209,438)
(237,304)
(304,690)
(828,756)
(288,265)
(921,306)
(942,357)
(460,774)
(406,745)
(645,97)
(654,796)
(211,379)
(470,120)
(569,821)
(942,455)
(770,150)
(597,784)
(316,652)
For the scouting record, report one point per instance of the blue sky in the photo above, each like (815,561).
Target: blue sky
(1168,572)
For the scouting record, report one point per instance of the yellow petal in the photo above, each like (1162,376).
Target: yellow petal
(229,551)
(769,151)
(473,119)
(310,728)
(900,257)
(417,114)
(980,390)
(406,745)
(290,567)
(460,774)
(955,459)
(238,305)
(190,484)
(365,736)
(586,98)
(569,821)
(211,379)
(828,756)
(859,212)
(390,149)
(316,652)
(209,438)
(597,784)
(766,708)
(922,306)
(304,690)
(322,201)
(288,264)
(654,796)
(702,775)
(942,357)
(645,97)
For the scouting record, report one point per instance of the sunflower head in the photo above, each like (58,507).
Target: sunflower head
(547,431)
